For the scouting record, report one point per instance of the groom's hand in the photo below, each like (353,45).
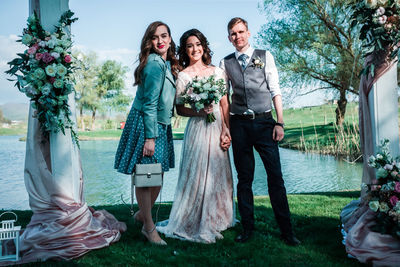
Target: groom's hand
(225,139)
(278,133)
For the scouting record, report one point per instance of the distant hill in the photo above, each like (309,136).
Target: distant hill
(15,111)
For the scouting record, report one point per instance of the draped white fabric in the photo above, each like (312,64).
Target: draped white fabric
(62,225)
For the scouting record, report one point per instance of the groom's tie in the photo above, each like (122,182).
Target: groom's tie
(242,59)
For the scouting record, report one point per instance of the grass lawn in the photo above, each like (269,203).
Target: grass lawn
(14,130)
(315,218)
(100,134)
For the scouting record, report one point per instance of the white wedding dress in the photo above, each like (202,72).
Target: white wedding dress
(203,202)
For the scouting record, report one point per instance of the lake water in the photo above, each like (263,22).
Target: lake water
(103,185)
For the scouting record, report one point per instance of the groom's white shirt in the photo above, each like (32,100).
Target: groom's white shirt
(271,72)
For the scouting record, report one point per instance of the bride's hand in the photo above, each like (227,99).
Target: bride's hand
(148,148)
(207,110)
(225,143)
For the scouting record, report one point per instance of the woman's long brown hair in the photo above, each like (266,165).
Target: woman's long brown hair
(183,57)
(146,48)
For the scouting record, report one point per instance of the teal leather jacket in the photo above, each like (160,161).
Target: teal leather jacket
(155,95)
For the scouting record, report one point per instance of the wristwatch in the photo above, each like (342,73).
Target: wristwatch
(280,124)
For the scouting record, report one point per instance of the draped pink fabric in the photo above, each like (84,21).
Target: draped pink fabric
(62,225)
(362,243)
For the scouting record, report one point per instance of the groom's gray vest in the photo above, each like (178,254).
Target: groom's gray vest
(250,88)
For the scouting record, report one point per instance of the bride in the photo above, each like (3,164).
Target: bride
(203,204)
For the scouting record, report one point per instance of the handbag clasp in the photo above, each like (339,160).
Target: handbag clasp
(149,175)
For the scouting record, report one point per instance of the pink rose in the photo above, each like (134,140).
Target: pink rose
(394,200)
(38,56)
(52,79)
(36,46)
(32,50)
(397,187)
(47,58)
(67,59)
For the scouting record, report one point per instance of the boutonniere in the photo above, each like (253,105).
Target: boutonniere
(258,63)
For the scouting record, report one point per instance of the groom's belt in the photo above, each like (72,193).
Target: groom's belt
(266,115)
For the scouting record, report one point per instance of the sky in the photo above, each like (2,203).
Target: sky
(114,29)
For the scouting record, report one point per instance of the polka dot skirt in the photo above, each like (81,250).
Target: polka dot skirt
(130,148)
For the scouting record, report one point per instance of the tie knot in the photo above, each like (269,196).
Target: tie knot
(243,57)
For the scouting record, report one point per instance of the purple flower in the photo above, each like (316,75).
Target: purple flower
(397,187)
(394,200)
(47,58)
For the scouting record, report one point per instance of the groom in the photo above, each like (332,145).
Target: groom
(254,81)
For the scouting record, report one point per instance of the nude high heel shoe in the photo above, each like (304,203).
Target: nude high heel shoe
(147,235)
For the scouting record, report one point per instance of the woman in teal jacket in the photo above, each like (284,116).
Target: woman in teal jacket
(147,134)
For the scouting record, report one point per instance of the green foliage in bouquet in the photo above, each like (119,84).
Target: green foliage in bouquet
(43,73)
(380,23)
(383,195)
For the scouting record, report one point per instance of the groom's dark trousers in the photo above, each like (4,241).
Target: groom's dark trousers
(246,135)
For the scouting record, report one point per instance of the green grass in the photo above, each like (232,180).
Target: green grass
(15,130)
(314,129)
(100,134)
(315,218)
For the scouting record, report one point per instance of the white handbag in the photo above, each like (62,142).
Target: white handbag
(147,175)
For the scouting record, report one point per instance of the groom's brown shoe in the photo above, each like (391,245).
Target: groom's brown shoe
(244,236)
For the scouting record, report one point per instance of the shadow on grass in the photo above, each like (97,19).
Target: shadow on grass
(315,219)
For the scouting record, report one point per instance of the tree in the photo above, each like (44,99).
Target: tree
(315,47)
(99,86)
(110,84)
(85,76)
(3,119)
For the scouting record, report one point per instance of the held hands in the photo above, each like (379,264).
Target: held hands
(225,139)
(149,146)
(278,133)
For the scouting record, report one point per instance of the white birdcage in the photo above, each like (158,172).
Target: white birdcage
(9,232)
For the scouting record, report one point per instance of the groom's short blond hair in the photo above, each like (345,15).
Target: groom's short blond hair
(235,21)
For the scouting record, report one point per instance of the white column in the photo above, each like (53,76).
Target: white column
(65,160)
(383,105)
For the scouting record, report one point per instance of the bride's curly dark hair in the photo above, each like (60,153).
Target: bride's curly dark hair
(183,57)
(146,48)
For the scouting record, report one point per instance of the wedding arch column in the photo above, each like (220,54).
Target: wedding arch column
(62,225)
(378,121)
(64,154)
(378,114)
(383,107)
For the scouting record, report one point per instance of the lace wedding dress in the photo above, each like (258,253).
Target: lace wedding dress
(203,202)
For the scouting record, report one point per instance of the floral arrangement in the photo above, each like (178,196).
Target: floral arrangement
(258,63)
(380,25)
(383,196)
(43,73)
(203,92)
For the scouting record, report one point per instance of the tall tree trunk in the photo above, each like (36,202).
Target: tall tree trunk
(93,118)
(82,120)
(341,108)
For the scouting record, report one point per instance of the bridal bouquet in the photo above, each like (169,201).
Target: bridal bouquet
(383,196)
(380,25)
(43,73)
(203,92)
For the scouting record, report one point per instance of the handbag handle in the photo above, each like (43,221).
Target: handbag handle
(151,157)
